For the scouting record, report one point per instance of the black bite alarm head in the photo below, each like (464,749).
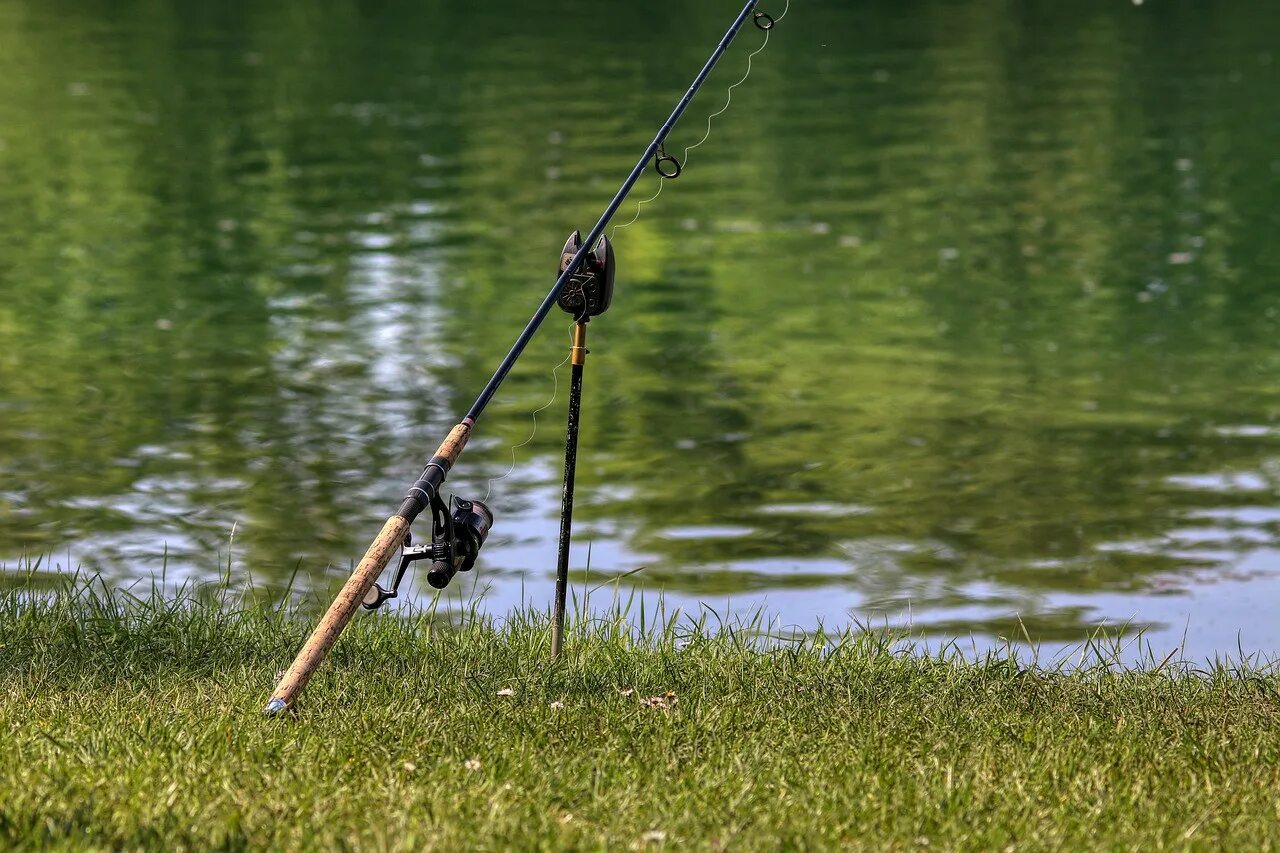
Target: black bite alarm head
(589,290)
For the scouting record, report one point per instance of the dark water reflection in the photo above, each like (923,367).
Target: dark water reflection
(964,316)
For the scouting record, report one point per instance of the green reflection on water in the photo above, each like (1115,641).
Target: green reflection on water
(968,305)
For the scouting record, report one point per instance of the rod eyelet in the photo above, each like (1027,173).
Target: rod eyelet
(672,171)
(763,21)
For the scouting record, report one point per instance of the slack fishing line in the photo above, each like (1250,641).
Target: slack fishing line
(555,390)
(459,528)
(663,177)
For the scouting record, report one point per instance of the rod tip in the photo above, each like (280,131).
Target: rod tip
(275,708)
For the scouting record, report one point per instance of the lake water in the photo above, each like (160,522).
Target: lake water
(964,318)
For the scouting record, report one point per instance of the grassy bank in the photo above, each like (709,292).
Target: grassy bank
(134,723)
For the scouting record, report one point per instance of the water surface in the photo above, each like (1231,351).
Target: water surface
(965,317)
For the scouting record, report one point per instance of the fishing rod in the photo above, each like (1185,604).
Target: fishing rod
(584,288)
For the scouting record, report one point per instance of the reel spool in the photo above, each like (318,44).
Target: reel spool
(471,522)
(457,534)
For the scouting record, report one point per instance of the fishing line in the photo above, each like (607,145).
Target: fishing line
(728,100)
(662,180)
(555,390)
(661,183)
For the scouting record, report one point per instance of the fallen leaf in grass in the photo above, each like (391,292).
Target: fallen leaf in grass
(506,691)
(472,764)
(662,702)
(654,836)
(557,706)
(565,818)
(409,767)
(627,692)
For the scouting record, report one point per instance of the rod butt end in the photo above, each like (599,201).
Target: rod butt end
(275,708)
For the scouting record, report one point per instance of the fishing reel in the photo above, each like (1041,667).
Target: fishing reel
(457,533)
(588,291)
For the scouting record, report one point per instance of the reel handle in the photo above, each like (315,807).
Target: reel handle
(440,574)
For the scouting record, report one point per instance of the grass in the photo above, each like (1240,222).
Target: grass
(132,721)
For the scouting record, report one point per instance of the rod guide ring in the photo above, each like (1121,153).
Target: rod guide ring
(672,170)
(763,21)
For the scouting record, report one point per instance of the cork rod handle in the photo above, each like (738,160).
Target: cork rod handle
(338,615)
(362,579)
